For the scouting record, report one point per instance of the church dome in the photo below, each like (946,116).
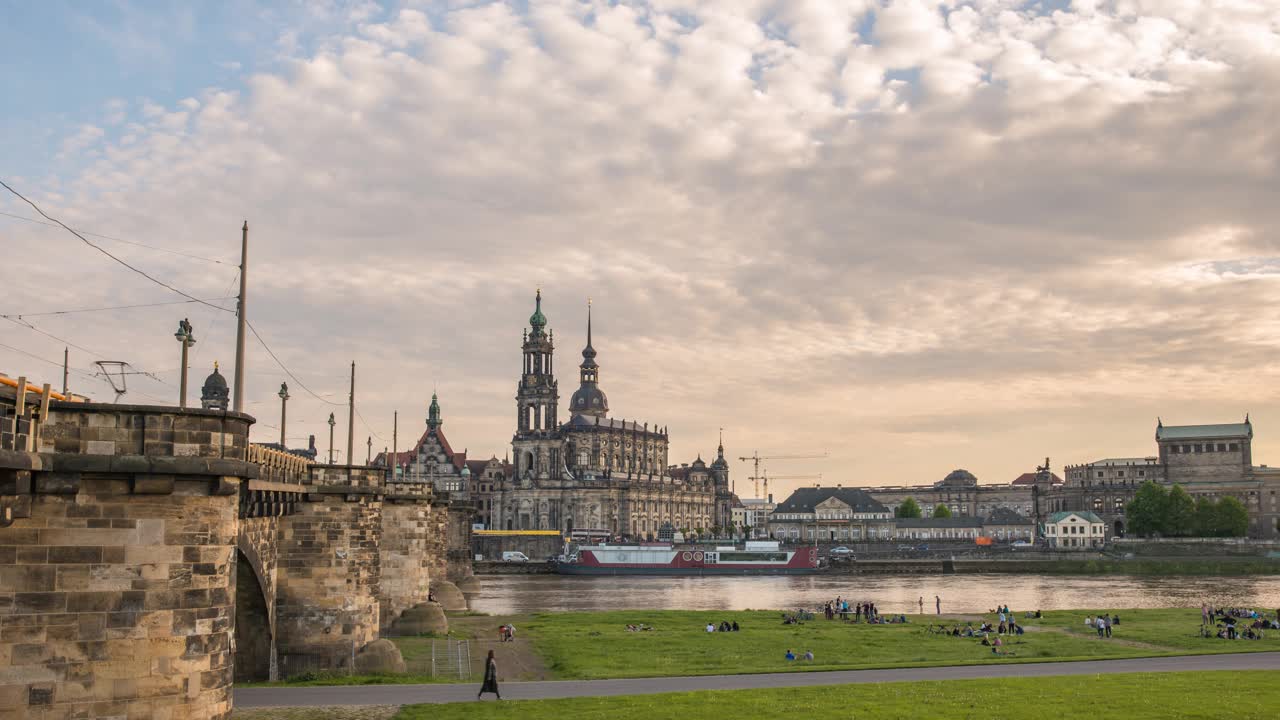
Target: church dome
(957,478)
(589,398)
(214,393)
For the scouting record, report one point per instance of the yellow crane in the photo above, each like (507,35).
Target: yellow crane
(756,476)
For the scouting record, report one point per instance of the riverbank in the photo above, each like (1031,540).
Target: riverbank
(1092,564)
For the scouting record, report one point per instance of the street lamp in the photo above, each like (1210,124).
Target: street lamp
(284,398)
(185,337)
(332,422)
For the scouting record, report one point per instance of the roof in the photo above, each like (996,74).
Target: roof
(936,522)
(960,477)
(1082,514)
(1124,461)
(1030,479)
(803,500)
(580,422)
(1197,432)
(1006,516)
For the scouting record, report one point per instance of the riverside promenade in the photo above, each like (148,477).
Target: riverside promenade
(545,690)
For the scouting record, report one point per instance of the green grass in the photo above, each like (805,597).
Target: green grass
(596,645)
(1148,696)
(1176,630)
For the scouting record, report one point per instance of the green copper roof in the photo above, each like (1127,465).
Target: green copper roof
(433,413)
(537,320)
(1195,432)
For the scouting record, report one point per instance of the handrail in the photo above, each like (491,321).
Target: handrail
(32,388)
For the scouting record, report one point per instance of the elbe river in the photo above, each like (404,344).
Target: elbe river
(508,594)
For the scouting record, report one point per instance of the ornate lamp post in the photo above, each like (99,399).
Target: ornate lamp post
(332,422)
(284,399)
(185,337)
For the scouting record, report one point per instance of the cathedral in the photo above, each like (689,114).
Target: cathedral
(592,471)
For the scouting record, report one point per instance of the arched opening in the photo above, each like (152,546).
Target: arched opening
(253,625)
(1119,528)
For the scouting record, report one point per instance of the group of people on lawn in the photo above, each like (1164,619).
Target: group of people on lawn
(1102,623)
(724,626)
(862,611)
(1222,623)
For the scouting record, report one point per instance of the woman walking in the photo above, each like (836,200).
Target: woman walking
(490,677)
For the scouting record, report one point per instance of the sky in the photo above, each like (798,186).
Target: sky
(907,236)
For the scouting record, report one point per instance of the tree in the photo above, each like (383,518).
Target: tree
(1205,517)
(942,511)
(908,509)
(1179,513)
(1146,511)
(1232,518)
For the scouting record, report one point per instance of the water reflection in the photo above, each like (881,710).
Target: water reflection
(892,593)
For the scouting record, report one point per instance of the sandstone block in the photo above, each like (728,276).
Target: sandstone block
(379,657)
(448,595)
(424,619)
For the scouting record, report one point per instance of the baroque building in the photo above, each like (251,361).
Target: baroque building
(592,471)
(1211,461)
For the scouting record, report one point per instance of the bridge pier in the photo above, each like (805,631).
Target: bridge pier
(117,569)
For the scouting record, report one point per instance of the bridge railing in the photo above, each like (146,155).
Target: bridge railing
(278,466)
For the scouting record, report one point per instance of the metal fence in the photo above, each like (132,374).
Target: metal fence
(451,659)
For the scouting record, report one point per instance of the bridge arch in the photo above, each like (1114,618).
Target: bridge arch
(254,631)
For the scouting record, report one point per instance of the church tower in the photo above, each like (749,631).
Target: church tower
(537,439)
(589,399)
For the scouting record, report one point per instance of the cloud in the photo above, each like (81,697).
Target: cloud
(818,225)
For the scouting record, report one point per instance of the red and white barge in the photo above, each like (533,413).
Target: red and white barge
(755,558)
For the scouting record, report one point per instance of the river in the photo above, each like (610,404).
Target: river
(506,594)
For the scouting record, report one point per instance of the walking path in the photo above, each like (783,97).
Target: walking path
(446,693)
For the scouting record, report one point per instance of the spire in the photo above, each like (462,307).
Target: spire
(433,413)
(537,321)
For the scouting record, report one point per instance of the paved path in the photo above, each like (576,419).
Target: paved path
(445,693)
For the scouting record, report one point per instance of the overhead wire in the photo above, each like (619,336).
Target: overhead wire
(19,316)
(121,240)
(100,356)
(104,251)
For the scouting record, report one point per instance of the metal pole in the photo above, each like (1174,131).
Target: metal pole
(351,419)
(66,367)
(182,389)
(238,399)
(395,453)
(331,424)
(284,403)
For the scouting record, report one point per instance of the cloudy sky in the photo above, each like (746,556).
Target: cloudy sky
(914,235)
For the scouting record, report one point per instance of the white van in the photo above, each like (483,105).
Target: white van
(514,557)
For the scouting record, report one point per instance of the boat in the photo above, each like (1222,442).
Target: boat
(755,558)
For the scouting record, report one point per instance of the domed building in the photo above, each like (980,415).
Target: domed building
(214,393)
(957,479)
(594,471)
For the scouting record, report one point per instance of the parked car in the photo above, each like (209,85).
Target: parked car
(1022,545)
(515,556)
(841,551)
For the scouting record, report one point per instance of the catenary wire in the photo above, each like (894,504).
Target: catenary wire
(102,250)
(120,240)
(20,316)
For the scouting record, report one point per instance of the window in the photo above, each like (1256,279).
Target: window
(1142,473)
(1099,473)
(1233,447)
(1119,473)
(1222,447)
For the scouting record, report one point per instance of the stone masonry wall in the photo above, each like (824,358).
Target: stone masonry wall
(116,579)
(406,549)
(327,588)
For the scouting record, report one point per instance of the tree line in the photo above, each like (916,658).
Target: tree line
(911,509)
(1171,512)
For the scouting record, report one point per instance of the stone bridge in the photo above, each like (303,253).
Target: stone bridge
(150,556)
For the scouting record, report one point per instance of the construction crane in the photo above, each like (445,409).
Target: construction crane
(757,476)
(765,477)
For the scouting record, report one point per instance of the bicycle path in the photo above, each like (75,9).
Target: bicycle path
(549,689)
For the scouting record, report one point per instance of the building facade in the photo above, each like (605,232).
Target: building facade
(830,514)
(1211,461)
(592,471)
(962,494)
(1075,530)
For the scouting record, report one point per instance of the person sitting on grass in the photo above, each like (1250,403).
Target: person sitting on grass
(711,627)
(790,656)
(734,627)
(1001,630)
(808,655)
(986,639)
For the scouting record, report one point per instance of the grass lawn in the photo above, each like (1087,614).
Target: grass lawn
(1153,696)
(597,645)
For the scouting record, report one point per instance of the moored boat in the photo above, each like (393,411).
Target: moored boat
(755,558)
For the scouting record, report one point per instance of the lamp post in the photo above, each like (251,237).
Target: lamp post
(368,458)
(284,399)
(187,339)
(332,422)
